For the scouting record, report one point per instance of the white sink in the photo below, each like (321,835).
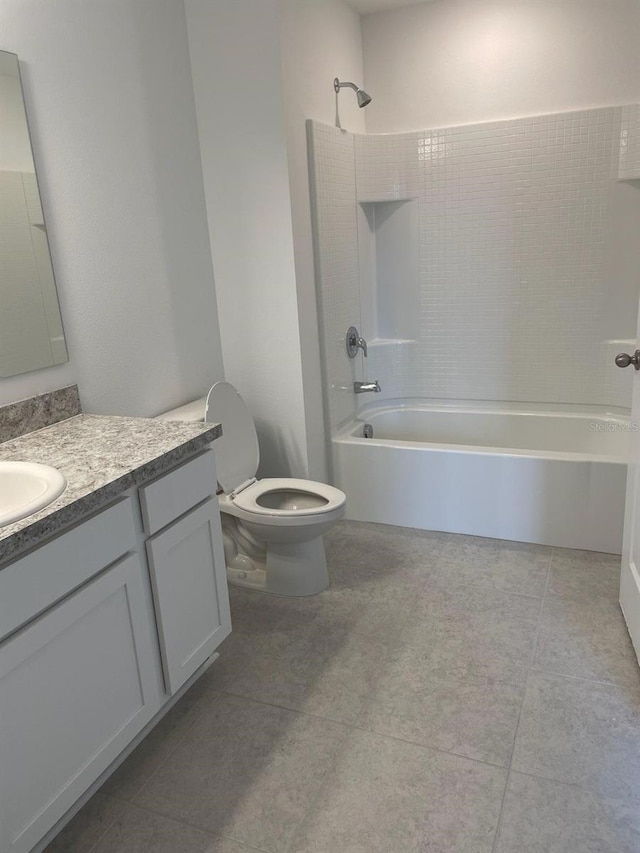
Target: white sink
(26,487)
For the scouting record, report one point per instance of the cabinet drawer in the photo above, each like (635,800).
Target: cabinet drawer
(175,493)
(36,581)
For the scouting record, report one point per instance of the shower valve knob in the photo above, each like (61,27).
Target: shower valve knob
(355,342)
(623,359)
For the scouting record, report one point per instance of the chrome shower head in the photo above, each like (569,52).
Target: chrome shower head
(363,98)
(361,95)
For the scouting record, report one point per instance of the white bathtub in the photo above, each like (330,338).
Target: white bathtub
(530,475)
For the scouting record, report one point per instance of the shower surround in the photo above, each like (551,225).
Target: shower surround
(480,264)
(476,259)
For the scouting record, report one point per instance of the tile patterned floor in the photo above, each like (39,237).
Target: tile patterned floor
(447,694)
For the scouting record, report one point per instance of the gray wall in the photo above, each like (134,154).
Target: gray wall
(111,109)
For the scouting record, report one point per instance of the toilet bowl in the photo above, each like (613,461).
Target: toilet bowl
(272,528)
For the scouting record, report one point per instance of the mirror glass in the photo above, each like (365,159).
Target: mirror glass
(31,333)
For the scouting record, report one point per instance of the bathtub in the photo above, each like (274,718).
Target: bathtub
(526,474)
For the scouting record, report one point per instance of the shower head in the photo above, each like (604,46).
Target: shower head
(361,95)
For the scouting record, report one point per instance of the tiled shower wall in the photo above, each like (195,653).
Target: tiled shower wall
(629,164)
(512,287)
(333,190)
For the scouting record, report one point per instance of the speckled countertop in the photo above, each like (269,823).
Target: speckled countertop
(101,457)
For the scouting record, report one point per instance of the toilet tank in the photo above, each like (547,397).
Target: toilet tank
(192,412)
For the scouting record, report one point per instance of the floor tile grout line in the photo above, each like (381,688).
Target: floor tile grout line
(576,785)
(183,822)
(551,595)
(347,728)
(244,666)
(180,741)
(428,747)
(618,685)
(557,549)
(227,691)
(107,829)
(215,696)
(540,617)
(354,725)
(130,801)
(242,843)
(496,838)
(576,599)
(286,708)
(197,715)
(314,799)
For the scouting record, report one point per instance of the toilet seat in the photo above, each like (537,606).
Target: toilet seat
(237,459)
(252,498)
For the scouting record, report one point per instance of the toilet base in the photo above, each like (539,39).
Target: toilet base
(294,569)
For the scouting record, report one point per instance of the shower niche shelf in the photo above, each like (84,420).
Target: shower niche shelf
(386,199)
(391,342)
(388,245)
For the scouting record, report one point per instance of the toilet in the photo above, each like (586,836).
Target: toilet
(272,528)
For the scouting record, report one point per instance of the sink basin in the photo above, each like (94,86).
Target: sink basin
(26,487)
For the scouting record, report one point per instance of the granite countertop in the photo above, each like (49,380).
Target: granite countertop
(101,457)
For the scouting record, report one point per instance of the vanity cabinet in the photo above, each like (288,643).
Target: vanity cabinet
(76,685)
(99,627)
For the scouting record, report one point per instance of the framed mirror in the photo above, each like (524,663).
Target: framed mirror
(31,332)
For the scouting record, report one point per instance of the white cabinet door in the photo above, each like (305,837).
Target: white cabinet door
(189,581)
(76,686)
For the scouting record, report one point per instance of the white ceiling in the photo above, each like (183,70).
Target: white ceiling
(366,7)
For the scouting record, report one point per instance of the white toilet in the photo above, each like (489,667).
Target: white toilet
(272,528)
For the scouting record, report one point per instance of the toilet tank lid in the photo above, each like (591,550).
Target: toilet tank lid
(190,413)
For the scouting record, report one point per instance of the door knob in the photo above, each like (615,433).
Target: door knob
(623,359)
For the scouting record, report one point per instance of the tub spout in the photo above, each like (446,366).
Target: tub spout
(363,387)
